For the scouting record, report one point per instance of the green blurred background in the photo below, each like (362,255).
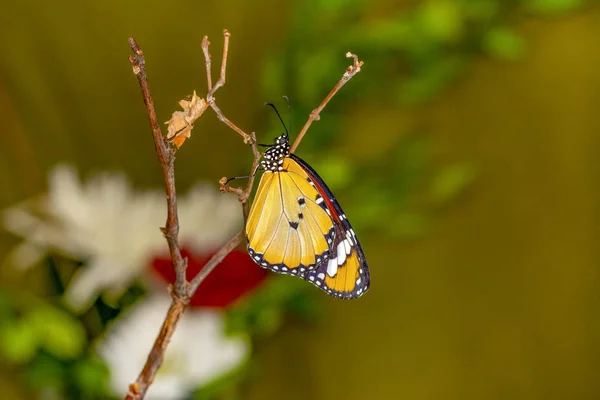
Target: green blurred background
(465,154)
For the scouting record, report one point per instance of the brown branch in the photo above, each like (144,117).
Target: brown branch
(182,290)
(221,80)
(166,157)
(179,292)
(210,99)
(315,114)
(137,390)
(205,44)
(243,194)
(250,184)
(216,259)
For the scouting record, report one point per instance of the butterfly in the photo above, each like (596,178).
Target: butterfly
(296,226)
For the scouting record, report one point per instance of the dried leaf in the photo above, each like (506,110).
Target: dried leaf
(182,122)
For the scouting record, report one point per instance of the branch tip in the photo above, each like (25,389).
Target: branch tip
(135,47)
(315,115)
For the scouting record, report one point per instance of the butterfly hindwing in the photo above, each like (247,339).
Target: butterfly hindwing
(346,273)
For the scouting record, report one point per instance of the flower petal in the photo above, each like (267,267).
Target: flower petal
(198,352)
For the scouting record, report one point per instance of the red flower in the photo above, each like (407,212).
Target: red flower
(236,276)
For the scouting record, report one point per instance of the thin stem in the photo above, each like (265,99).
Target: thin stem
(215,260)
(221,80)
(315,114)
(256,154)
(244,194)
(137,390)
(166,157)
(223,118)
(205,44)
(210,99)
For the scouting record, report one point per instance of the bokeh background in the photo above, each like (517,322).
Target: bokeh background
(465,154)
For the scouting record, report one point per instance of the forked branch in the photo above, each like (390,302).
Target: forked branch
(182,290)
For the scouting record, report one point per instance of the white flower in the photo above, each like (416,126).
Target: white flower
(198,353)
(113,228)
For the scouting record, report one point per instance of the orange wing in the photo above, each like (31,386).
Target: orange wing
(346,274)
(296,226)
(287,230)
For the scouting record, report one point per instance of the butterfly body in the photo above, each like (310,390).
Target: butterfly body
(296,227)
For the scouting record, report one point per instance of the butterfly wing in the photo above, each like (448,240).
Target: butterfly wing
(346,273)
(287,230)
(296,226)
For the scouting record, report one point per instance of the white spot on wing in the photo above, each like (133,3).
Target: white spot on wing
(347,246)
(332,267)
(341,253)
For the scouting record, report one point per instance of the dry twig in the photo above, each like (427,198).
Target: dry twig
(315,115)
(166,157)
(182,290)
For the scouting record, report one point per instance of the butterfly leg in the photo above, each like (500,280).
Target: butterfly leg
(242,177)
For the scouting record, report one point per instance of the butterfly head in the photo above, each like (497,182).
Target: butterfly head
(273,157)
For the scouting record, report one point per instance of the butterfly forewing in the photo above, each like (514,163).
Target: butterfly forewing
(297,240)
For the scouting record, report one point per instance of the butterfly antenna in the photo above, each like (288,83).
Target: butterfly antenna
(279,116)
(289,103)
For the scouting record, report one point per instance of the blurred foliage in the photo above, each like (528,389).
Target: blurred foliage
(263,313)
(430,45)
(31,325)
(49,345)
(224,387)
(54,349)
(553,6)
(450,181)
(419,51)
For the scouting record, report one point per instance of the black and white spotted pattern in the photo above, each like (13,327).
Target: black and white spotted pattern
(273,157)
(343,243)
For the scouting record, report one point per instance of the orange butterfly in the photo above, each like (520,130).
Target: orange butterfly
(297,227)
